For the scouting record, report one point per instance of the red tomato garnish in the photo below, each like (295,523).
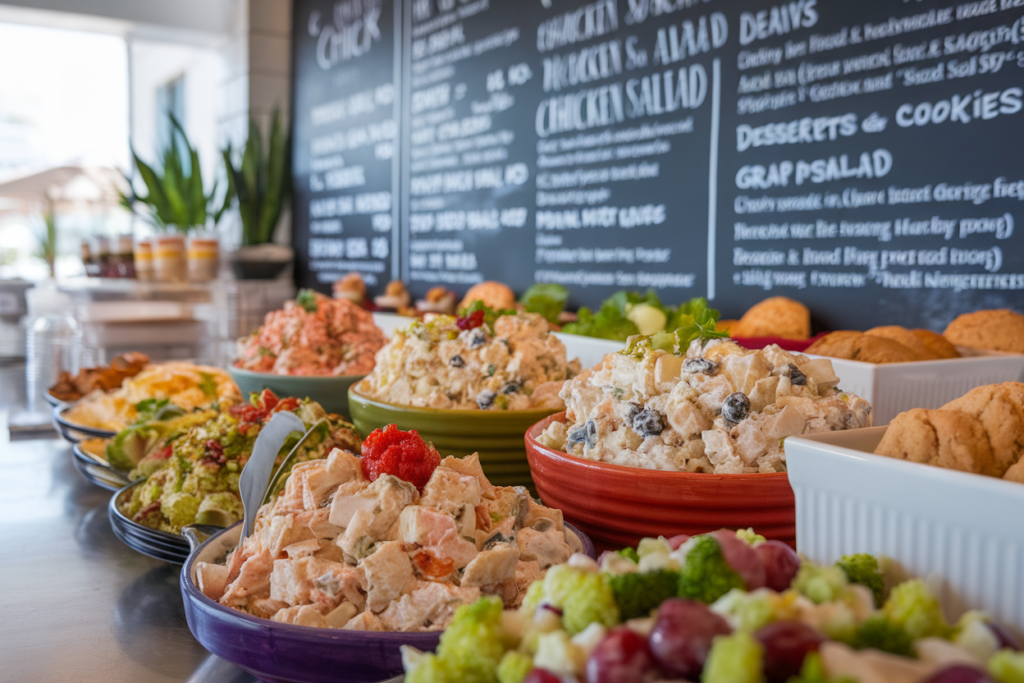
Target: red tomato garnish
(471,321)
(286,404)
(401,454)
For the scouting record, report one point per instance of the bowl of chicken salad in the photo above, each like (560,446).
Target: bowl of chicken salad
(472,383)
(315,347)
(663,439)
(359,555)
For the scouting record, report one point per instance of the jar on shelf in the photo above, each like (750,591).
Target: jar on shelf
(101,255)
(88,260)
(125,256)
(142,259)
(169,264)
(203,258)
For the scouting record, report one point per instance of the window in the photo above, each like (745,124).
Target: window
(170,100)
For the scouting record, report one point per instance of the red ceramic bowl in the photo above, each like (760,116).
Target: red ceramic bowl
(617,506)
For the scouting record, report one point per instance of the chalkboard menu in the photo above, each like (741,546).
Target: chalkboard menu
(345,141)
(862,157)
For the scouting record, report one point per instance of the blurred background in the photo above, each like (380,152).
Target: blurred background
(120,124)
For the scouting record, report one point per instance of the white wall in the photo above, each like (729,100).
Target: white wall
(153,65)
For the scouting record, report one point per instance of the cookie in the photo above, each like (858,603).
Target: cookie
(493,294)
(1000,410)
(859,346)
(775,317)
(995,330)
(943,438)
(936,344)
(726,325)
(905,337)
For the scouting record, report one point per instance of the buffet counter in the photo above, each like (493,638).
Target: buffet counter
(78,604)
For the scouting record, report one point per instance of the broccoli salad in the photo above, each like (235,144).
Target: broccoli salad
(711,406)
(724,607)
(191,470)
(488,360)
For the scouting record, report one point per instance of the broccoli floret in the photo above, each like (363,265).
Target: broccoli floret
(706,576)
(735,658)
(881,634)
(470,648)
(820,584)
(514,667)
(750,537)
(863,569)
(746,611)
(637,594)
(534,596)
(1007,666)
(590,602)
(179,508)
(912,607)
(630,554)
(584,597)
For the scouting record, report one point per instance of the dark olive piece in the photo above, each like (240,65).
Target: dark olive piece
(736,407)
(648,423)
(708,367)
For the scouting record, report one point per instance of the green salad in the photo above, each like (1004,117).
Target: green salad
(626,314)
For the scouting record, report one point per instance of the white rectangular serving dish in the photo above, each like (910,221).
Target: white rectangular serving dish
(389,322)
(589,350)
(965,529)
(892,388)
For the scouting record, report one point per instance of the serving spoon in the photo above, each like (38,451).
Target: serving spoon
(252,485)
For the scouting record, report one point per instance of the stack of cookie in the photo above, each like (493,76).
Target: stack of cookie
(994,330)
(888,344)
(981,432)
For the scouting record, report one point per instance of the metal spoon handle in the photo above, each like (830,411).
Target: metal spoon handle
(256,473)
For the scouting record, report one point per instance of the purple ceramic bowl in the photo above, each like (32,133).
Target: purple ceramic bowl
(285,653)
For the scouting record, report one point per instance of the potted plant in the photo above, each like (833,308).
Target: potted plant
(261,184)
(175,196)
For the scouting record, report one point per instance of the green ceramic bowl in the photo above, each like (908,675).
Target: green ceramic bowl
(329,391)
(496,435)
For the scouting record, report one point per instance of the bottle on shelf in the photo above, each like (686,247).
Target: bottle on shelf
(102,256)
(143,260)
(88,260)
(125,256)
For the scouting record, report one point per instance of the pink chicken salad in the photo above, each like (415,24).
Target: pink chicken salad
(313,335)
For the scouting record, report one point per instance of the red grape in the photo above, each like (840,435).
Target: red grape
(682,635)
(780,563)
(541,676)
(786,643)
(1007,641)
(677,541)
(622,656)
(744,560)
(959,673)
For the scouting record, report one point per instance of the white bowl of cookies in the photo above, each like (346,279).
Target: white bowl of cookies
(940,491)
(897,369)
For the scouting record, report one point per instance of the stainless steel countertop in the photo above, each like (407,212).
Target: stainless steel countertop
(76,604)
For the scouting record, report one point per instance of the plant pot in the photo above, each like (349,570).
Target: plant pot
(261,261)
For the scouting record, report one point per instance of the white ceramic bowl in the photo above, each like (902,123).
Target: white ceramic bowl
(891,388)
(963,528)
